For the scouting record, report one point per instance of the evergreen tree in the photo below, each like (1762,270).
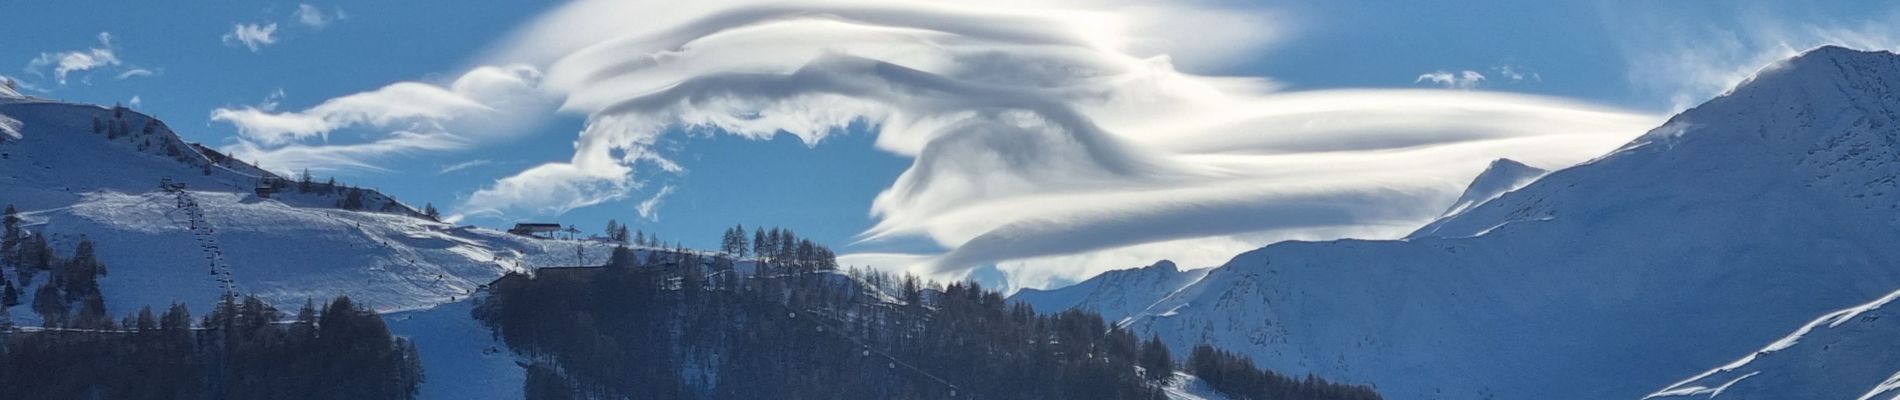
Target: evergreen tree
(47,304)
(177,319)
(303,182)
(759,244)
(9,295)
(740,244)
(1156,360)
(146,322)
(79,277)
(613,229)
(10,237)
(428,210)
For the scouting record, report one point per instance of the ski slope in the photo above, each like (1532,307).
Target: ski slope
(71,183)
(1697,242)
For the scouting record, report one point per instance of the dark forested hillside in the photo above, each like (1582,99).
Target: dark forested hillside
(682,325)
(240,350)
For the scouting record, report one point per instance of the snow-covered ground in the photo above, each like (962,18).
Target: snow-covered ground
(70,182)
(1189,387)
(462,358)
(1846,354)
(1698,242)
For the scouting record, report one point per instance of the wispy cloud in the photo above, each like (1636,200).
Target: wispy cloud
(251,36)
(1462,80)
(1693,55)
(463,165)
(66,63)
(481,106)
(1040,132)
(316,18)
(649,209)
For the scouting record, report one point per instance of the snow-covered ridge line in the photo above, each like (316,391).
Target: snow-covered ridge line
(1837,355)
(1699,241)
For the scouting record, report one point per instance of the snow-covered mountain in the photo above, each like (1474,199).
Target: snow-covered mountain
(1699,241)
(1846,354)
(70,182)
(1114,294)
(87,171)
(1502,176)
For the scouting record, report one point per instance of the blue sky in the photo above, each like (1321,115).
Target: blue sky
(1631,61)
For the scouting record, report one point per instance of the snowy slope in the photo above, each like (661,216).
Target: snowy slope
(1846,354)
(69,182)
(462,358)
(1701,240)
(1502,176)
(1114,294)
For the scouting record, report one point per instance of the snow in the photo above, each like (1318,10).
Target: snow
(1843,354)
(1502,176)
(1704,239)
(462,358)
(71,183)
(1189,387)
(1115,295)
(292,247)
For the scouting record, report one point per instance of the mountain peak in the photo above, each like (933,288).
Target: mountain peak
(1503,175)
(1165,265)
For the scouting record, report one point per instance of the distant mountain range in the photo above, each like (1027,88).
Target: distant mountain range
(1704,241)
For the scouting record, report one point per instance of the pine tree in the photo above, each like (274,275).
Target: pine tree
(1156,360)
(739,243)
(79,276)
(613,227)
(146,322)
(428,210)
(759,244)
(303,182)
(6,319)
(176,320)
(9,295)
(10,238)
(47,304)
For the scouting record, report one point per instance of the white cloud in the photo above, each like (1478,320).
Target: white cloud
(66,63)
(135,102)
(251,36)
(649,209)
(463,165)
(135,72)
(1517,73)
(1693,56)
(485,105)
(1462,80)
(1043,133)
(315,18)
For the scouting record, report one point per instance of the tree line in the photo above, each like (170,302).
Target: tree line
(678,324)
(243,349)
(240,350)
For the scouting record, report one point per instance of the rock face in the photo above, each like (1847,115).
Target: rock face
(1719,231)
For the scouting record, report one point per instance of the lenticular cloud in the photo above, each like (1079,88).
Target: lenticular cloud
(1038,130)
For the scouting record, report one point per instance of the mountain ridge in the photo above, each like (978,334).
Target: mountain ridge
(1701,239)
